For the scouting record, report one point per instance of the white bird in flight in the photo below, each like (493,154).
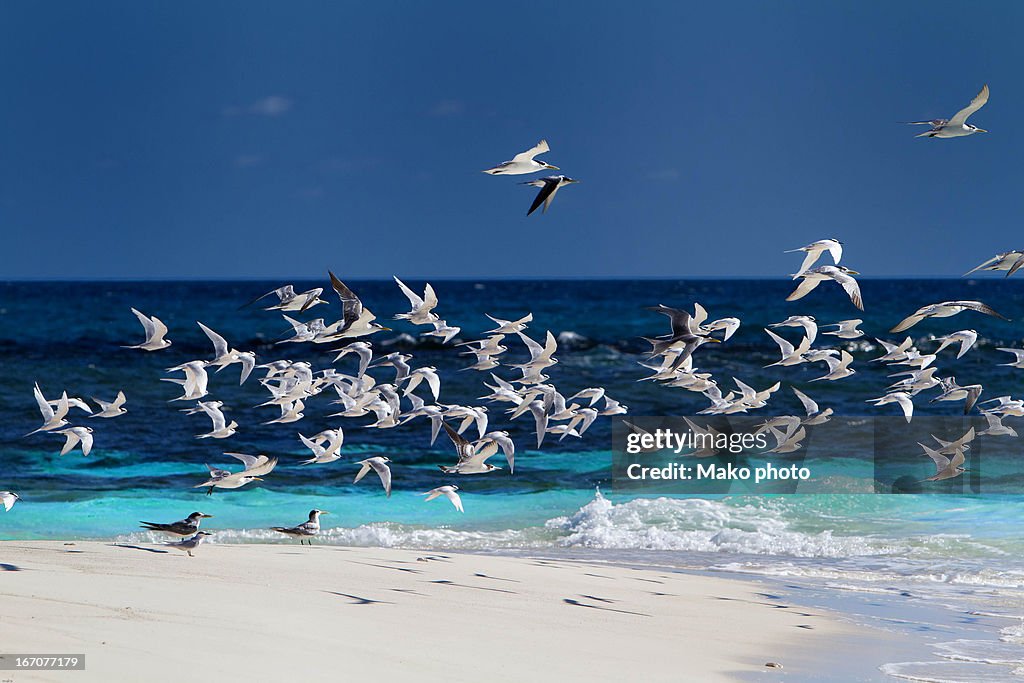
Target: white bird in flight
(112,409)
(155,331)
(945,309)
(1010,261)
(448,492)
(53,416)
(957,126)
(75,435)
(378,464)
(524,162)
(9,498)
(224,356)
(814,251)
(841,274)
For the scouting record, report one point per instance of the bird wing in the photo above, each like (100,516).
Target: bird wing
(462,446)
(908,322)
(851,287)
(809,405)
(680,320)
(977,103)
(803,289)
(905,403)
(86,439)
(429,297)
(362,470)
(454,498)
(70,442)
(44,407)
(812,256)
(784,346)
(1016,265)
(547,192)
(220,344)
(384,472)
(412,296)
(981,308)
(941,461)
(352,307)
(836,250)
(529,154)
(991,262)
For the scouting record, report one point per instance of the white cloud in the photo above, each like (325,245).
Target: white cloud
(273,106)
(248,160)
(447,108)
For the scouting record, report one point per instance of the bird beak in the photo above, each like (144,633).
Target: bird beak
(324,512)
(555,168)
(712,339)
(257,478)
(386,329)
(980,130)
(854,272)
(206,516)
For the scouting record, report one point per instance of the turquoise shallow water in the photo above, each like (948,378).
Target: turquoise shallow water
(966,549)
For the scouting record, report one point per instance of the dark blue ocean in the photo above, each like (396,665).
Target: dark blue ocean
(962,550)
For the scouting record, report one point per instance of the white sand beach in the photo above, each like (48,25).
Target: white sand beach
(327,613)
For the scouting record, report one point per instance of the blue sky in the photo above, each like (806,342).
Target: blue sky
(248,139)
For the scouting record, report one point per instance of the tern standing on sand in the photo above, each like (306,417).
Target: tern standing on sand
(189,544)
(306,530)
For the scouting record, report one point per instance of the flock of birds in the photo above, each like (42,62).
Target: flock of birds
(394,404)
(357,394)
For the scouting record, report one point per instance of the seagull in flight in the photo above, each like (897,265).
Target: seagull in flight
(957,126)
(902,398)
(509,326)
(841,274)
(9,498)
(945,309)
(549,186)
(470,460)
(945,467)
(966,339)
(112,409)
(846,329)
(155,331)
(524,162)
(75,435)
(1010,261)
(379,465)
(220,429)
(53,416)
(184,527)
(807,322)
(288,300)
(448,492)
(421,306)
(334,438)
(814,251)
(255,467)
(223,356)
